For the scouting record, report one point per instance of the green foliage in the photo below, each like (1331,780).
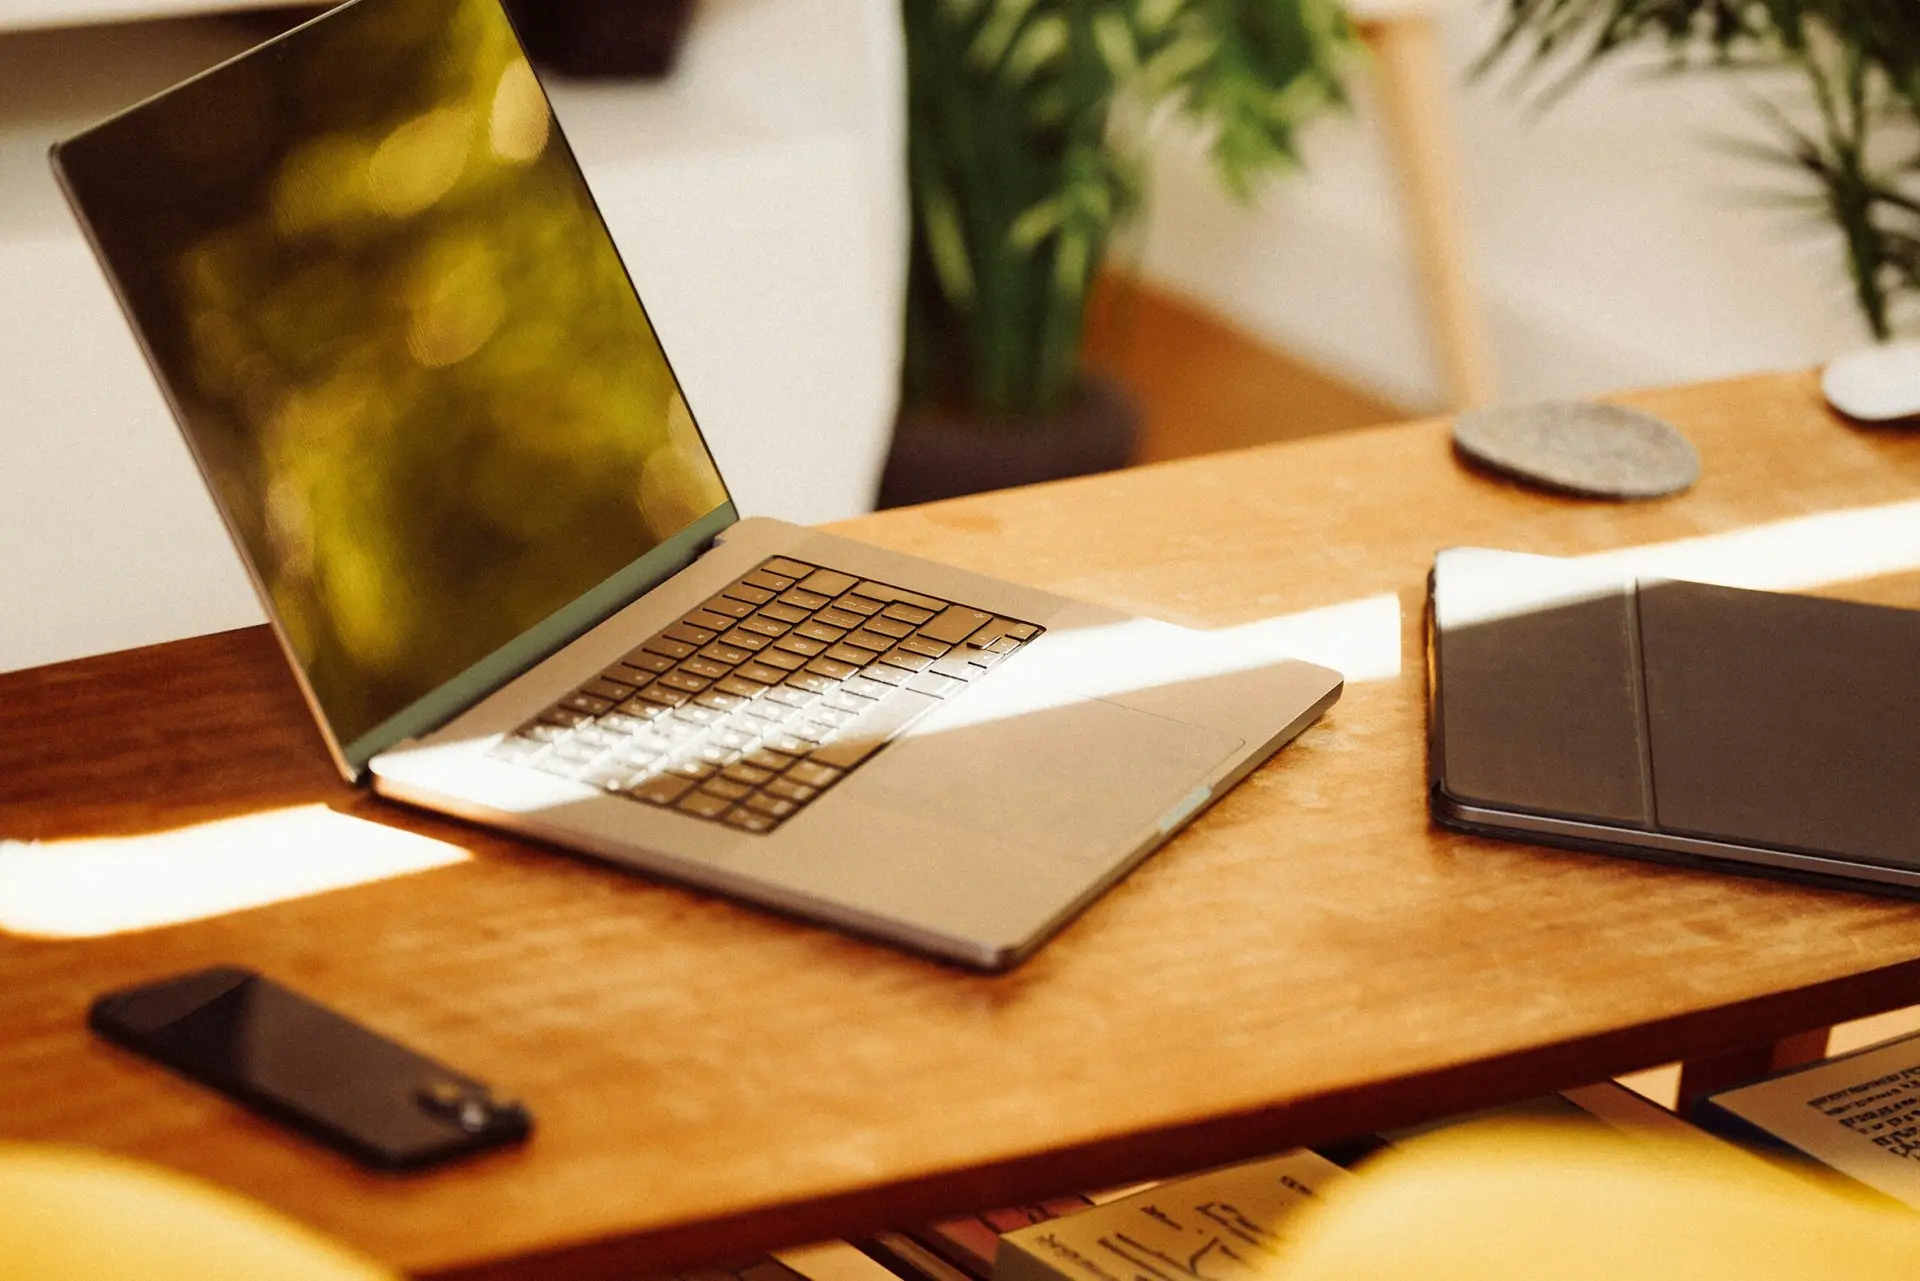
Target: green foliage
(1859,142)
(1021,175)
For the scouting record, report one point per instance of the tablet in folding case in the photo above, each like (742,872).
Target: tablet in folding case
(1571,704)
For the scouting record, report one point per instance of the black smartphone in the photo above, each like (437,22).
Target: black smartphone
(297,1061)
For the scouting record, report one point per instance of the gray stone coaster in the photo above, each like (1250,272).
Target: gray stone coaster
(1596,451)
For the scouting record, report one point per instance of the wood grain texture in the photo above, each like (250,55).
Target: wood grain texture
(1312,958)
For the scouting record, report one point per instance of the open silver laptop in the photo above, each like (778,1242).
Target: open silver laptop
(396,334)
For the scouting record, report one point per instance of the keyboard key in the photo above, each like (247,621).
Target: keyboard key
(750,821)
(715,755)
(797,644)
(955,624)
(631,677)
(785,613)
(751,775)
(661,694)
(956,667)
(772,806)
(594,736)
(808,680)
(832,668)
(687,632)
(704,805)
(828,582)
(864,687)
(1002,645)
(710,620)
(682,680)
(613,777)
(726,787)
(921,645)
(695,769)
(889,627)
(788,744)
(768,760)
(564,717)
(867,638)
(668,647)
(811,732)
(831,717)
(817,630)
(887,592)
(883,674)
(784,659)
(842,701)
(810,774)
(787,566)
(647,662)
(753,595)
(586,704)
(694,714)
(721,702)
(612,691)
(907,613)
(860,605)
(541,732)
(768,580)
(908,659)
(757,671)
(721,652)
(852,655)
(792,696)
(643,708)
(936,685)
(662,789)
(730,608)
(558,765)
(764,626)
(740,687)
(706,667)
(747,640)
(788,790)
(764,714)
(1022,631)
(837,618)
(736,740)
(804,599)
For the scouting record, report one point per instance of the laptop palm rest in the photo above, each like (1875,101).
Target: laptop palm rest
(1068,779)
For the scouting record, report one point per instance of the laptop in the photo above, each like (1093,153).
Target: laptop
(393,327)
(1578,703)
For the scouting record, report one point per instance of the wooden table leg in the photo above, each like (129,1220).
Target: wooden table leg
(1412,79)
(1718,1071)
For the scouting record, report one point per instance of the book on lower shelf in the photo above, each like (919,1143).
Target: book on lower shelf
(1856,1115)
(1221,1225)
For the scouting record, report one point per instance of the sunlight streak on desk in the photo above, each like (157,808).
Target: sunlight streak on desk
(87,887)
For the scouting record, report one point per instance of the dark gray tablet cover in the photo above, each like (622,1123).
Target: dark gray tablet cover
(1755,719)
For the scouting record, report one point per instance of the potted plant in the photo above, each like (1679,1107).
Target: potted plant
(1855,134)
(1025,125)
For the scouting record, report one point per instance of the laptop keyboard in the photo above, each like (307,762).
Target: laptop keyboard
(750,707)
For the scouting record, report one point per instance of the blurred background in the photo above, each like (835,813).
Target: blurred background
(1436,239)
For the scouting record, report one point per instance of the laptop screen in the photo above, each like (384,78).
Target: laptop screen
(401,344)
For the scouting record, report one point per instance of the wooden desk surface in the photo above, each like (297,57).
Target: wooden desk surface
(1311,959)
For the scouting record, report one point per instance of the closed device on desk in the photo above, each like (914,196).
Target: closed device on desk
(1743,730)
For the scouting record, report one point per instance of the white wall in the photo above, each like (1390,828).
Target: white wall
(1616,245)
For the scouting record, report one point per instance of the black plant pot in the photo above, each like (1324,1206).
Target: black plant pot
(939,452)
(603,37)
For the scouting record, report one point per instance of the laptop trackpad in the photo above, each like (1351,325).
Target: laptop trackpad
(1075,779)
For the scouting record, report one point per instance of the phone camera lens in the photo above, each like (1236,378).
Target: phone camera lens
(470,1107)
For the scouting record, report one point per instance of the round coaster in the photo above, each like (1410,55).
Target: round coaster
(1876,385)
(1596,451)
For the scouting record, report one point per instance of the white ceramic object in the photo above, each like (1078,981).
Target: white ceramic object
(1876,384)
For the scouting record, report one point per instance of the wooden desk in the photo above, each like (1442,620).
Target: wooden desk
(1312,959)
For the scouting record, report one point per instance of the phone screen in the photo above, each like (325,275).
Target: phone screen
(298,1061)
